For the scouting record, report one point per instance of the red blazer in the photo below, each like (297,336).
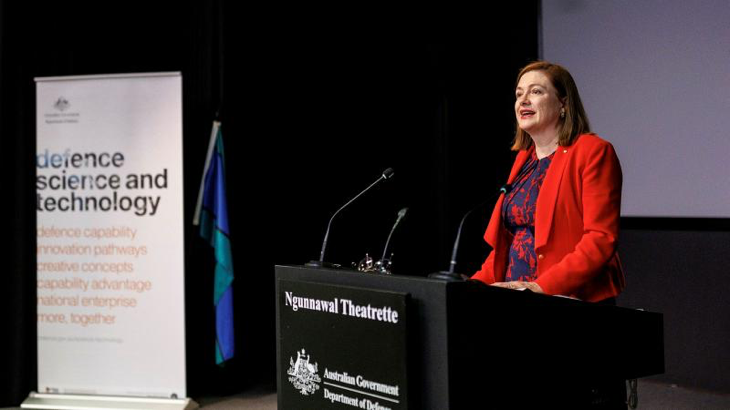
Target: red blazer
(576,223)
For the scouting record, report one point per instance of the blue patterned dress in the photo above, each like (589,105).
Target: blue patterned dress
(518,212)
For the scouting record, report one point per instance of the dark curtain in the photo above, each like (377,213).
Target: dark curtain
(315,103)
(17,300)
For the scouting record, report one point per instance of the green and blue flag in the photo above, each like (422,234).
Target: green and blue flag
(211,213)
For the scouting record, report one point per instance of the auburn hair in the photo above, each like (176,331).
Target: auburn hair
(575,121)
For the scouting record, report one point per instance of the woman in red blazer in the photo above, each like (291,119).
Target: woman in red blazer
(556,231)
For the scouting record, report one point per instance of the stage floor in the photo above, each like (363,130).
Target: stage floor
(653,395)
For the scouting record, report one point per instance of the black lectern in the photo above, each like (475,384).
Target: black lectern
(452,345)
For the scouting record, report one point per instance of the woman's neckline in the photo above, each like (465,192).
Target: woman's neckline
(537,157)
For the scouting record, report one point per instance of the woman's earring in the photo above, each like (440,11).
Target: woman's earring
(562,113)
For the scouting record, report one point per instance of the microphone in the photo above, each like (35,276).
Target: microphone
(401,215)
(507,188)
(387,174)
(451,276)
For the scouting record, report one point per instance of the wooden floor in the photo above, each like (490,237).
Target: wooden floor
(254,399)
(653,395)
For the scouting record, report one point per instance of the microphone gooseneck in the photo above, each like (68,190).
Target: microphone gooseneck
(387,174)
(507,188)
(450,275)
(452,264)
(401,215)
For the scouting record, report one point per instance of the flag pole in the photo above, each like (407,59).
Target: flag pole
(211,147)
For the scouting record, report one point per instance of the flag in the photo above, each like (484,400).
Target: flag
(211,213)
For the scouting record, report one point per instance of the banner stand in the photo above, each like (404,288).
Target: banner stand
(84,402)
(110,229)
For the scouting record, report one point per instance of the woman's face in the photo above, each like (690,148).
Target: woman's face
(537,105)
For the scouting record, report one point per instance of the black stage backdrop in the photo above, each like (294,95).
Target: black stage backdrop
(315,103)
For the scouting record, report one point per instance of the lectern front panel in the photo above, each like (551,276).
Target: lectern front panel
(341,347)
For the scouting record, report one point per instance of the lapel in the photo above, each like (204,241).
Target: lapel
(495,222)
(520,160)
(546,200)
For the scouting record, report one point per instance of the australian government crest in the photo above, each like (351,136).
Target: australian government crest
(60,114)
(61,104)
(303,374)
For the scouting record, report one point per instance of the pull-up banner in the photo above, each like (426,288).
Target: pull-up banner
(110,235)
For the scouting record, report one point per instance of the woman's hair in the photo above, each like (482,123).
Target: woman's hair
(575,121)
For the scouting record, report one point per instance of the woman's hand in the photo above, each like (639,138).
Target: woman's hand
(532,286)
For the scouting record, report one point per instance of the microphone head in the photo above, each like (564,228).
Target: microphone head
(388,173)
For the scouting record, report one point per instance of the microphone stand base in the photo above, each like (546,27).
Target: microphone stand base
(446,276)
